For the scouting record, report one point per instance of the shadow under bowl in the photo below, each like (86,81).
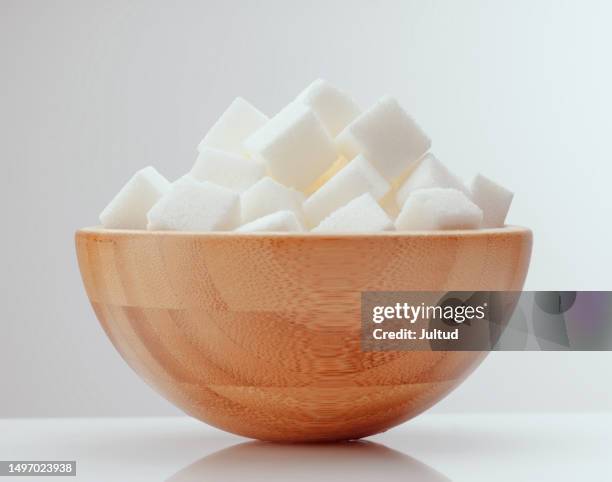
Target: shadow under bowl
(259,334)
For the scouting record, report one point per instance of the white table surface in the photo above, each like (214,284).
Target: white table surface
(495,447)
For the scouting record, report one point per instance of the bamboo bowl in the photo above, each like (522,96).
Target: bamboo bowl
(259,334)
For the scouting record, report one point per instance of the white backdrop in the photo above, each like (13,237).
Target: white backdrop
(91,91)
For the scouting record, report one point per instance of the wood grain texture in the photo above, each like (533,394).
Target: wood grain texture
(259,334)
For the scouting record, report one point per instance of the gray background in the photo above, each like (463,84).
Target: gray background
(92,91)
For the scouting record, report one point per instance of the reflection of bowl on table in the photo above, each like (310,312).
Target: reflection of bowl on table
(361,461)
(259,334)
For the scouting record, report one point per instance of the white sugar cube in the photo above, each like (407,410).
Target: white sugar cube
(238,122)
(281,221)
(430,172)
(267,196)
(335,108)
(191,205)
(227,169)
(128,209)
(356,178)
(361,215)
(294,145)
(493,199)
(387,136)
(438,209)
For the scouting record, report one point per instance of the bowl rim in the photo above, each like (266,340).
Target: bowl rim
(462,233)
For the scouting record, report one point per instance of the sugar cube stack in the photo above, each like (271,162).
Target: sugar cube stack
(387,136)
(268,196)
(129,208)
(356,178)
(430,172)
(227,169)
(361,215)
(319,164)
(238,122)
(493,199)
(280,221)
(294,145)
(438,208)
(334,108)
(191,205)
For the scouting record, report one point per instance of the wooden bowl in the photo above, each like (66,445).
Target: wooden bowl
(259,334)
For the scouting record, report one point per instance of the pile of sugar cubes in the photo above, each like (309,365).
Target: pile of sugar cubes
(322,165)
